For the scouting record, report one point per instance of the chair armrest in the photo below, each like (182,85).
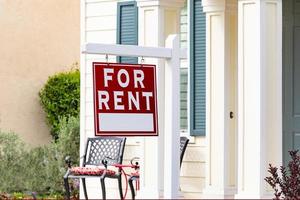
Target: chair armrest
(68,160)
(104,162)
(136,164)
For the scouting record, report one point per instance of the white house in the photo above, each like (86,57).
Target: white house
(240,88)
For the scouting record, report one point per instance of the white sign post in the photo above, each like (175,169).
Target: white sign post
(172,54)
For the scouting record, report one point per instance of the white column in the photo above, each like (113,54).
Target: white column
(221,91)
(157,19)
(260,94)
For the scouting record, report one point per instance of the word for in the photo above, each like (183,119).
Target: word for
(124,100)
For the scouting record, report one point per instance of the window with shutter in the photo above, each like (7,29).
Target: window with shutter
(127,28)
(197,68)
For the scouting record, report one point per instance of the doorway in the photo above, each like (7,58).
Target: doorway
(291,77)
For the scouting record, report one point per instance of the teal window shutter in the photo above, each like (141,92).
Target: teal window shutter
(127,28)
(197,68)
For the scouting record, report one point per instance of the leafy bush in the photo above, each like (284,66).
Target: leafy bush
(69,138)
(287,186)
(60,97)
(45,169)
(12,155)
(41,169)
(68,145)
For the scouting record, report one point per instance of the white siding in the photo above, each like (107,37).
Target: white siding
(192,179)
(99,25)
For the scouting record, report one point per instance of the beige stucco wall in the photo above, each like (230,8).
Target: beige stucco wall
(38,38)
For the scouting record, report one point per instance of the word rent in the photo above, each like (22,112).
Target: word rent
(123,100)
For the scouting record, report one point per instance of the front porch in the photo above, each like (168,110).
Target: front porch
(243,104)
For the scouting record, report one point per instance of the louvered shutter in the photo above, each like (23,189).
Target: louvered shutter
(197,68)
(127,28)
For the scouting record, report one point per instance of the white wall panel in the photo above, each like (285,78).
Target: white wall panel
(101,9)
(193,170)
(105,36)
(101,23)
(195,153)
(192,185)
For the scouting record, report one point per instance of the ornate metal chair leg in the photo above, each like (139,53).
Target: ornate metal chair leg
(120,186)
(67,188)
(84,188)
(103,188)
(131,187)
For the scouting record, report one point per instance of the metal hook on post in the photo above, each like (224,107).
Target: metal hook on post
(142,60)
(106,57)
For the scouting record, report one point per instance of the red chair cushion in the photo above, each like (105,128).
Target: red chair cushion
(136,174)
(92,171)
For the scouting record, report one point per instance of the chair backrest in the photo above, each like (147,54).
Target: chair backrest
(109,148)
(183,144)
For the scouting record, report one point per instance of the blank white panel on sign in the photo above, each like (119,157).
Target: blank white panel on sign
(126,122)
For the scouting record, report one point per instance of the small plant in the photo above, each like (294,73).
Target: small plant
(60,97)
(18,195)
(287,186)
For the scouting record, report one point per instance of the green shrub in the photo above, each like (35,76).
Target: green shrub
(69,138)
(35,172)
(44,170)
(39,169)
(12,155)
(60,97)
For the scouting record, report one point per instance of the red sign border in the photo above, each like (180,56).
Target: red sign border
(125,133)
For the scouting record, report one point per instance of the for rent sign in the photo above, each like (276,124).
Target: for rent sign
(125,99)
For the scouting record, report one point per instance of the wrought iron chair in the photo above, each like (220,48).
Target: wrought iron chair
(183,144)
(100,151)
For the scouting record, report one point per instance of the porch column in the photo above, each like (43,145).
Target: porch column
(221,90)
(260,94)
(157,20)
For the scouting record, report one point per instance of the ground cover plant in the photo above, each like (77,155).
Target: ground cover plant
(37,172)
